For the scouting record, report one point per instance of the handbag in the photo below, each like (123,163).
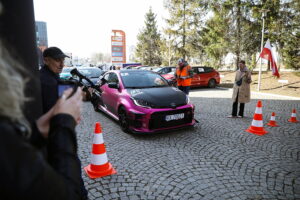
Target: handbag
(239,82)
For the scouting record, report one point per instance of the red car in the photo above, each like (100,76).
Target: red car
(203,76)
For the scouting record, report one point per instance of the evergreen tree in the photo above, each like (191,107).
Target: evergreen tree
(184,25)
(149,41)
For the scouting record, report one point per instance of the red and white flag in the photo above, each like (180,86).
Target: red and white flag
(268,55)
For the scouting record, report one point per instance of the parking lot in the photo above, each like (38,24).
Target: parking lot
(216,159)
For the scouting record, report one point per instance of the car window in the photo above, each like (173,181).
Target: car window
(157,70)
(90,72)
(200,69)
(208,69)
(142,80)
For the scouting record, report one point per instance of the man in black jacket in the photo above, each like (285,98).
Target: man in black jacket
(49,75)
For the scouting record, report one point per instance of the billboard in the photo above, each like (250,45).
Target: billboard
(118,47)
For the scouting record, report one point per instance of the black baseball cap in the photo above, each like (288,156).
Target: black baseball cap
(54,52)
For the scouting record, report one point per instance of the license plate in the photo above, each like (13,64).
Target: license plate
(174,117)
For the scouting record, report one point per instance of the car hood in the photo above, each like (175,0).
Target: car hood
(160,97)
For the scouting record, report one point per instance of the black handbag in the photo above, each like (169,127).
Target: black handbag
(239,82)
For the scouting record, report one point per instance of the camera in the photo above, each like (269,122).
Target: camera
(66,84)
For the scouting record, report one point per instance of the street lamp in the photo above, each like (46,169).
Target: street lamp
(264,13)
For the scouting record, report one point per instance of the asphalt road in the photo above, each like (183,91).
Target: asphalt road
(216,159)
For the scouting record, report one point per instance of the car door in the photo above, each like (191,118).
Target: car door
(202,76)
(198,79)
(110,96)
(207,75)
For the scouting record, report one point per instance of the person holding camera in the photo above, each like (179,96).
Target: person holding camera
(49,76)
(241,90)
(25,173)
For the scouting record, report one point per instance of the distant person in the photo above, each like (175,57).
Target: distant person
(241,90)
(112,67)
(25,173)
(183,75)
(49,76)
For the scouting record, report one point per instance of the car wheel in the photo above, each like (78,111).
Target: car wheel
(123,120)
(212,83)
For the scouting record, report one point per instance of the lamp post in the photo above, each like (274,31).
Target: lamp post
(264,12)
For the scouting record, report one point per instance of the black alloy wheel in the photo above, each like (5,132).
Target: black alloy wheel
(123,120)
(212,83)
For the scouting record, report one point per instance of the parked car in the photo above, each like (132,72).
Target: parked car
(143,101)
(92,73)
(65,74)
(203,76)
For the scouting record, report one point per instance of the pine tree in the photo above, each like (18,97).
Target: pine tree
(148,47)
(184,25)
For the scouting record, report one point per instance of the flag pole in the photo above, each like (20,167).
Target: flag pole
(264,11)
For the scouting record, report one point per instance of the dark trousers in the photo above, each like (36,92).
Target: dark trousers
(235,105)
(185,89)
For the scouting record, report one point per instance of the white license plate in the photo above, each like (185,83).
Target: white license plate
(174,117)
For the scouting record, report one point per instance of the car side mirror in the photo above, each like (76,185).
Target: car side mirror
(113,85)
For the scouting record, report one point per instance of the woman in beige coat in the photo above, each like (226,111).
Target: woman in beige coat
(241,90)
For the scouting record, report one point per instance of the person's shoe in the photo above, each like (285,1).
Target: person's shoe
(231,116)
(239,116)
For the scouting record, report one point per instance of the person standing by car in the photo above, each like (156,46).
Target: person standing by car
(49,76)
(183,75)
(241,90)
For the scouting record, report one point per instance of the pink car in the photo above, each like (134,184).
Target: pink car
(144,102)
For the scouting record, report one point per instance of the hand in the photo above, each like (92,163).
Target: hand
(71,106)
(43,123)
(63,105)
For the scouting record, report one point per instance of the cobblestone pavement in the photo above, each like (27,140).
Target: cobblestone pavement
(216,159)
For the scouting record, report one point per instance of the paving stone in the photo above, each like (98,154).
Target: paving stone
(217,159)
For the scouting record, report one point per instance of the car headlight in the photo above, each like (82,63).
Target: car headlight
(142,103)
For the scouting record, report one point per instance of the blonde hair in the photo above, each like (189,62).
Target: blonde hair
(11,86)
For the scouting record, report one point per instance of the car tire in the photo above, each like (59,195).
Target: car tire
(212,83)
(123,121)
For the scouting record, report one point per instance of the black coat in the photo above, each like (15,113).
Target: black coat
(49,88)
(24,172)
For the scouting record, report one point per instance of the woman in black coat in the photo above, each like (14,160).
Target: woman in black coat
(24,172)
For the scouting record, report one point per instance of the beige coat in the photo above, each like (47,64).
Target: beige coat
(244,89)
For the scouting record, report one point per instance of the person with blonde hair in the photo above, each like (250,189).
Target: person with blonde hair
(24,172)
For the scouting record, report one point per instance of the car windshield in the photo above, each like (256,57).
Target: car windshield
(91,72)
(142,79)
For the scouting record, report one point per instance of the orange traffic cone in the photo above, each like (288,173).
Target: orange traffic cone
(257,122)
(272,121)
(293,117)
(99,166)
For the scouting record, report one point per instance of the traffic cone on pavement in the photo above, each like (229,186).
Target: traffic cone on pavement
(257,122)
(272,121)
(99,166)
(293,117)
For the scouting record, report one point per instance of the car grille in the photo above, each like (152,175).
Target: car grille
(158,118)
